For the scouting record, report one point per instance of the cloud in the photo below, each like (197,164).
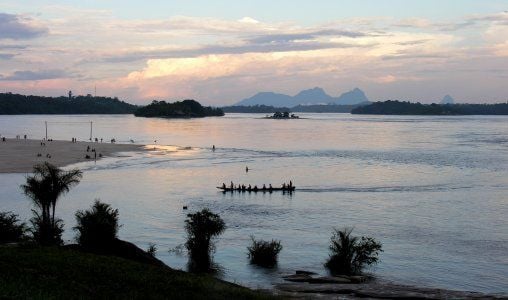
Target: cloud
(311,35)
(18,27)
(6,56)
(35,75)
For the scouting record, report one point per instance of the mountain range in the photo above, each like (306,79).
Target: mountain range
(306,97)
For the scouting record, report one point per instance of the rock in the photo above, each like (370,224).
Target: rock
(357,279)
(325,279)
(302,272)
(298,278)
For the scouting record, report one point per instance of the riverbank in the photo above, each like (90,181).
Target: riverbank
(20,155)
(58,273)
(374,289)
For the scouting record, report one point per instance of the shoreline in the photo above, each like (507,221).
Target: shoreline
(20,155)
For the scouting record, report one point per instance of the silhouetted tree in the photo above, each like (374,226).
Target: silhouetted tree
(44,187)
(11,229)
(97,227)
(201,227)
(350,254)
(264,253)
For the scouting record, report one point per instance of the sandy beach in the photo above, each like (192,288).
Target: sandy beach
(20,155)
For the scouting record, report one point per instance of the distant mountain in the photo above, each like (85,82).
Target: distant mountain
(268,98)
(306,97)
(447,100)
(313,96)
(355,96)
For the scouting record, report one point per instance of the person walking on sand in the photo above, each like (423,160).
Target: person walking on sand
(246,169)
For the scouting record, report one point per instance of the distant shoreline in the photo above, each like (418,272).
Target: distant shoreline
(20,155)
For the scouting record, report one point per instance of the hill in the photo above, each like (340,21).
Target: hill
(15,104)
(447,100)
(407,108)
(56,273)
(255,109)
(306,97)
(179,109)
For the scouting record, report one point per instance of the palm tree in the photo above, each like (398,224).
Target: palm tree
(45,186)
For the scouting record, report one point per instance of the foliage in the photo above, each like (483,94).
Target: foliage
(15,104)
(44,187)
(152,249)
(11,229)
(351,254)
(46,233)
(264,253)
(97,227)
(407,108)
(58,273)
(201,227)
(179,109)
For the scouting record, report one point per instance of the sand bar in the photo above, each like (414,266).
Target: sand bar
(20,155)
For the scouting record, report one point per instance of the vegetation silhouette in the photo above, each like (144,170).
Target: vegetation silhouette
(349,255)
(16,104)
(201,228)
(179,109)
(97,227)
(264,253)
(11,228)
(152,249)
(44,187)
(407,108)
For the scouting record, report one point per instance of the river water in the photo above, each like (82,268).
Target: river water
(433,190)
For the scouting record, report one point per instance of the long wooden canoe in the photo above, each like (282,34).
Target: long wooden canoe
(273,189)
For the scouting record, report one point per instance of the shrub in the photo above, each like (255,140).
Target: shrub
(350,254)
(11,230)
(264,253)
(46,233)
(97,227)
(152,249)
(201,228)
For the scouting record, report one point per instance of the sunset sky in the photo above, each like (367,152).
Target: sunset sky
(219,52)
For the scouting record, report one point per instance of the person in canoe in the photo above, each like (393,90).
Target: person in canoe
(223,186)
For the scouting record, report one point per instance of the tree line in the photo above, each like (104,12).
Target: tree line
(392,107)
(16,104)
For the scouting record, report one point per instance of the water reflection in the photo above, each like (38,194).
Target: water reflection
(432,190)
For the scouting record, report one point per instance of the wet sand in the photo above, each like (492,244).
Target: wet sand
(19,155)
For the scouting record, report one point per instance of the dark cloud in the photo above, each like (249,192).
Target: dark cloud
(411,43)
(18,28)
(218,49)
(6,56)
(290,37)
(35,75)
(412,56)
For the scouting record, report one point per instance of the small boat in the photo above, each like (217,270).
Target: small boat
(255,190)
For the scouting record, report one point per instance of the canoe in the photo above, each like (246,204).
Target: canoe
(275,189)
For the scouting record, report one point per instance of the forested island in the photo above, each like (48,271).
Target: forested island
(16,104)
(392,107)
(178,109)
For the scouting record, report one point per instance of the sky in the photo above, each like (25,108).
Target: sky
(220,52)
